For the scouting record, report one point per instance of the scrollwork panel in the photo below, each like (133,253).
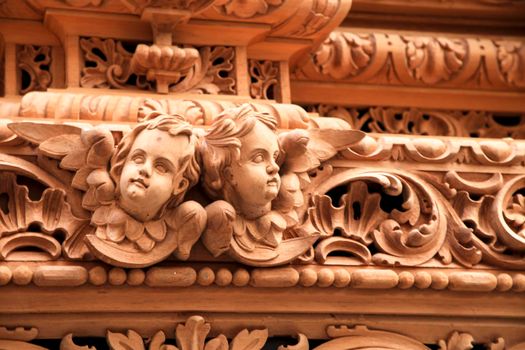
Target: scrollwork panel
(115,64)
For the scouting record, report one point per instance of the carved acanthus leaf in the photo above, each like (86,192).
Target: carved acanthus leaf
(35,62)
(511,59)
(410,233)
(457,341)
(343,55)
(433,60)
(107,63)
(189,336)
(51,213)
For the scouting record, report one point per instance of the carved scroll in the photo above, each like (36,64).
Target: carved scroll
(264,79)
(34,64)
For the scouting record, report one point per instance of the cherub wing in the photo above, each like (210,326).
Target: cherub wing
(304,150)
(84,152)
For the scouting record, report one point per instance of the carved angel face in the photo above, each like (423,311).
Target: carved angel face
(254,179)
(151,174)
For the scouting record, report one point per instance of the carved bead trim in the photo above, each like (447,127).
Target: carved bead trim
(265,77)
(34,65)
(109,64)
(284,277)
(414,121)
(395,59)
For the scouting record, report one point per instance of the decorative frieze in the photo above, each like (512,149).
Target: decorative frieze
(193,335)
(315,194)
(418,60)
(418,121)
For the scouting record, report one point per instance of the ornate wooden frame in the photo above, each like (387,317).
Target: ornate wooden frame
(410,236)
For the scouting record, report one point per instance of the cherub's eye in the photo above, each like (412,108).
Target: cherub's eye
(258,158)
(275,155)
(138,158)
(161,168)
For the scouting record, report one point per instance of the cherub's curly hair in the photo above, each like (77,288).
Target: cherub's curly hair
(221,145)
(173,125)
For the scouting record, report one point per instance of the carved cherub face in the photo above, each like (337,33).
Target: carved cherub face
(151,174)
(254,179)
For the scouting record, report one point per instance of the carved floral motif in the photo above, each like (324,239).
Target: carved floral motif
(207,70)
(35,62)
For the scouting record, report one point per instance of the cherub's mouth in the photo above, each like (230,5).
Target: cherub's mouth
(140,181)
(273,182)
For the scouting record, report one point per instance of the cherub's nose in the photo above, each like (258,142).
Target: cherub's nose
(146,169)
(272,168)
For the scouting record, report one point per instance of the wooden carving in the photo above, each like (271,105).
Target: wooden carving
(417,121)
(34,61)
(134,191)
(192,335)
(258,179)
(107,64)
(265,79)
(395,59)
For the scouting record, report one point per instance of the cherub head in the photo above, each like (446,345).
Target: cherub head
(239,156)
(154,165)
